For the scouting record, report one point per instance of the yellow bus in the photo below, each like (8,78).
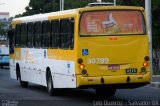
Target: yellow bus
(100,47)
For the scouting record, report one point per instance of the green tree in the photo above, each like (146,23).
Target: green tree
(45,6)
(156,23)
(40,6)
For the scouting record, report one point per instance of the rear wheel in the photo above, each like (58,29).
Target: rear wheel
(50,88)
(105,91)
(22,83)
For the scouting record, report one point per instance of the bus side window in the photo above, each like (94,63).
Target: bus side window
(18,35)
(23,35)
(14,38)
(38,34)
(11,36)
(30,34)
(54,34)
(45,35)
(71,34)
(64,33)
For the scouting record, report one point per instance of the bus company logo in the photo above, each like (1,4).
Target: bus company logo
(29,57)
(85,52)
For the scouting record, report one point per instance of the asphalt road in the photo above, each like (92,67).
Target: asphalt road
(11,94)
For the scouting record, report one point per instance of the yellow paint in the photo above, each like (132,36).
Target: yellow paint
(126,51)
(14,23)
(16,55)
(122,79)
(61,54)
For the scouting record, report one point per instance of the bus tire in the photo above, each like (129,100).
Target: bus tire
(23,84)
(105,91)
(50,88)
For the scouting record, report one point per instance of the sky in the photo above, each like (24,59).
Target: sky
(14,7)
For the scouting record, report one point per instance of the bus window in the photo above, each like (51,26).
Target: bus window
(71,34)
(23,35)
(54,33)
(30,36)
(117,22)
(38,34)
(64,33)
(11,36)
(18,35)
(45,35)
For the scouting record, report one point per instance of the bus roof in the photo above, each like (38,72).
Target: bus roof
(65,13)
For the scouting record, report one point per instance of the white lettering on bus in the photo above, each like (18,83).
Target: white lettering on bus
(97,60)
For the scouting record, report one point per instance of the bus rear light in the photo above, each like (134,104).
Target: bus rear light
(145,64)
(84,72)
(80,61)
(143,69)
(81,66)
(146,58)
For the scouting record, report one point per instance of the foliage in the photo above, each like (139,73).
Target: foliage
(156,23)
(40,6)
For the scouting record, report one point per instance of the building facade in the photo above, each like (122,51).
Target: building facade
(4,16)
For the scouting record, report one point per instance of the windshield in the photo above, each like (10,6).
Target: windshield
(112,23)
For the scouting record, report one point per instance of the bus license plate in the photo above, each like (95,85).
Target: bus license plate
(131,71)
(113,67)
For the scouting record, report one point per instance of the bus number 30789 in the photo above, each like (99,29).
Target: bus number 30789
(98,60)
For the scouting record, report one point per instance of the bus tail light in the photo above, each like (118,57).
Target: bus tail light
(146,58)
(81,66)
(145,64)
(84,72)
(80,61)
(143,69)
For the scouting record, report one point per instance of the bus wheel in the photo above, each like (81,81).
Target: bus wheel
(22,83)
(105,91)
(50,88)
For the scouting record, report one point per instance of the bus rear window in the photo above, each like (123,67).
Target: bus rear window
(112,23)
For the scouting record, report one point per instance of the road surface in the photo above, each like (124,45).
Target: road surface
(11,94)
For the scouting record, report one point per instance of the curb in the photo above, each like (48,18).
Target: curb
(155,84)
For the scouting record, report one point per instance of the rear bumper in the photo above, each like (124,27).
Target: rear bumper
(113,81)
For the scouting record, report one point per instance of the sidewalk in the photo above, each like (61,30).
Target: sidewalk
(155,81)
